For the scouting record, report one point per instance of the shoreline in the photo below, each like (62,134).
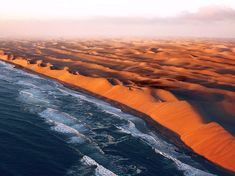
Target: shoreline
(150,122)
(149,112)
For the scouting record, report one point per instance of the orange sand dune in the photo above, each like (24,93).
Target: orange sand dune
(166,80)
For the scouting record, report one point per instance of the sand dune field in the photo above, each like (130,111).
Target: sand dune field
(186,85)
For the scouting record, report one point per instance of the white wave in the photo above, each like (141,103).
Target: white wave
(81,128)
(186,168)
(6,65)
(105,106)
(111,113)
(67,124)
(32,96)
(62,128)
(19,72)
(25,92)
(66,91)
(26,83)
(75,136)
(64,123)
(35,76)
(58,116)
(100,170)
(151,138)
(163,149)
(76,140)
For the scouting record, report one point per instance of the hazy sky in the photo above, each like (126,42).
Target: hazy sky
(44,9)
(78,18)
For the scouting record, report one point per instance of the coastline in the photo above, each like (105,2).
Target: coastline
(163,108)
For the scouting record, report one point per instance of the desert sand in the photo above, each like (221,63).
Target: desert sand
(186,85)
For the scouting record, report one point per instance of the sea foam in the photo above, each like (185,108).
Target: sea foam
(99,170)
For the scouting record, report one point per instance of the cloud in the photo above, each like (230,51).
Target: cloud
(213,13)
(210,13)
(211,21)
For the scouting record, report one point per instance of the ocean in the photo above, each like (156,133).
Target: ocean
(47,129)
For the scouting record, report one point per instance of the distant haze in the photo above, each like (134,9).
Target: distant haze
(117,18)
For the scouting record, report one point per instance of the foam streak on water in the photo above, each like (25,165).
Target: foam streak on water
(98,130)
(100,170)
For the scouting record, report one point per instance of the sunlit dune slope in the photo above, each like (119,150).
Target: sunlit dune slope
(188,86)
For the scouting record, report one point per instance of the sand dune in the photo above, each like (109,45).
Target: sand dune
(188,86)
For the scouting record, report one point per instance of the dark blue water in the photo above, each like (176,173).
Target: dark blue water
(49,130)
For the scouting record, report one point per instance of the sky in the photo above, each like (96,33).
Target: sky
(81,18)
